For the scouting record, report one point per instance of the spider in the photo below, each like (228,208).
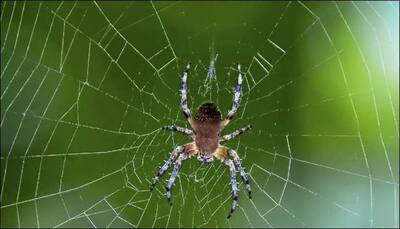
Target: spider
(206,126)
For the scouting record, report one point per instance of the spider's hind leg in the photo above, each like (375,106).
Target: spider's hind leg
(236,99)
(185,108)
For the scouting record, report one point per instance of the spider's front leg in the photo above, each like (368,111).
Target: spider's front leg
(223,153)
(185,108)
(166,165)
(235,195)
(245,178)
(236,98)
(174,174)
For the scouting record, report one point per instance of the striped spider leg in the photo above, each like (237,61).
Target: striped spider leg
(236,99)
(238,164)
(186,111)
(167,164)
(174,174)
(235,133)
(177,156)
(183,130)
(230,158)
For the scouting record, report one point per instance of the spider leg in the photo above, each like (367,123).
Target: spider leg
(166,165)
(235,133)
(245,178)
(174,174)
(222,153)
(235,195)
(185,108)
(236,98)
(179,129)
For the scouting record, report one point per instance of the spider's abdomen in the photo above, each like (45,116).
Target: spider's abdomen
(208,112)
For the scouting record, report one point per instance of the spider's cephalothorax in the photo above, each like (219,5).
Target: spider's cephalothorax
(207,125)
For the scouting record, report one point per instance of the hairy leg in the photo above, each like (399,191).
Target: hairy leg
(185,108)
(245,178)
(171,159)
(223,153)
(235,195)
(235,134)
(174,174)
(179,129)
(236,99)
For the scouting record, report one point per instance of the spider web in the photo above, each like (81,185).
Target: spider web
(85,87)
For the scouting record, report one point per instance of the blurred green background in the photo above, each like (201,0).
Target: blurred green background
(85,87)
